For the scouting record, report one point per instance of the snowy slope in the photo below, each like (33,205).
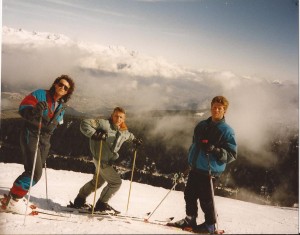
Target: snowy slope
(235,217)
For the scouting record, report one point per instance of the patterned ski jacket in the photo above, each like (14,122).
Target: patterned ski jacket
(111,146)
(219,134)
(50,117)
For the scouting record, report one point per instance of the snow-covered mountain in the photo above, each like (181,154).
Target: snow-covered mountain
(235,217)
(106,76)
(20,36)
(94,57)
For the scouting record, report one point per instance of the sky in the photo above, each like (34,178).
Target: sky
(250,38)
(234,216)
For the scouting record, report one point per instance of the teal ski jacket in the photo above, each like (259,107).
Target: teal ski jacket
(218,134)
(110,146)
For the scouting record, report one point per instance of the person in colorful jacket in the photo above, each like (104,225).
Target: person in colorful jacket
(113,132)
(41,110)
(213,147)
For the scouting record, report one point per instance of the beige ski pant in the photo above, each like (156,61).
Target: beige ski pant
(107,174)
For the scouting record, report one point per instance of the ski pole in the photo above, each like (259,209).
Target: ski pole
(131,179)
(212,191)
(176,182)
(46,185)
(34,163)
(97,176)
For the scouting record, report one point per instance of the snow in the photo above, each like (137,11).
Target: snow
(235,217)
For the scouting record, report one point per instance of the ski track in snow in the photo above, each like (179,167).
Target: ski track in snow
(235,217)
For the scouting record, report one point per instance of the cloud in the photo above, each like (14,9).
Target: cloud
(107,76)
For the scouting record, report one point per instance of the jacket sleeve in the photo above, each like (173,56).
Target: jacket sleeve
(131,137)
(88,127)
(228,151)
(28,104)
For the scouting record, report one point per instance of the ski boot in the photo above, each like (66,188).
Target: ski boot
(187,222)
(16,205)
(105,207)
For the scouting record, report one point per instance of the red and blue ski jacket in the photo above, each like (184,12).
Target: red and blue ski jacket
(51,117)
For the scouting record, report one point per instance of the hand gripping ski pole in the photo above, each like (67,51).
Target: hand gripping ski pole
(97,175)
(133,164)
(34,163)
(176,180)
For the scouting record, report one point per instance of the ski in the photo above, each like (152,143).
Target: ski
(167,225)
(56,219)
(115,219)
(41,215)
(44,212)
(191,230)
(144,219)
(111,214)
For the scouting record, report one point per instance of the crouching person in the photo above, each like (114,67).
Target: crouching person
(113,132)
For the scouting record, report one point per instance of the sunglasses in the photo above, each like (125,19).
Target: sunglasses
(66,88)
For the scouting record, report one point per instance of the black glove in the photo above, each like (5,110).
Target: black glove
(99,135)
(209,148)
(43,105)
(45,120)
(212,149)
(40,106)
(216,151)
(137,142)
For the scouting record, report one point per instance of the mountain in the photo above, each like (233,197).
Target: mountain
(164,102)
(164,153)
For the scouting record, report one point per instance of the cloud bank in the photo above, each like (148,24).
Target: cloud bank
(112,75)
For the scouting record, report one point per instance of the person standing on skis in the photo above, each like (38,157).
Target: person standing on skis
(45,107)
(214,145)
(113,132)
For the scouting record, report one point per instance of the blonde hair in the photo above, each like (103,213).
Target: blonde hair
(123,126)
(221,100)
(119,109)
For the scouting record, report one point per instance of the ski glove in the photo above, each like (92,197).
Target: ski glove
(137,142)
(212,149)
(40,106)
(99,135)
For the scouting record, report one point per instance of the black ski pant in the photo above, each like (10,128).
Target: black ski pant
(28,143)
(199,187)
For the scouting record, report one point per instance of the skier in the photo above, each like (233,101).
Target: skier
(47,106)
(213,147)
(113,132)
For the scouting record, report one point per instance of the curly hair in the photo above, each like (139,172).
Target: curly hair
(67,96)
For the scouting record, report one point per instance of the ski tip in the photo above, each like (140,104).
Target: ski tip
(34,213)
(33,207)
(219,231)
